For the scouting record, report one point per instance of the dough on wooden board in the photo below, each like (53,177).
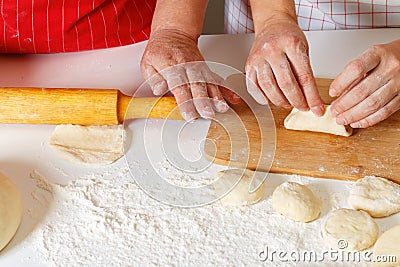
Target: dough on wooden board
(351,230)
(241,193)
(388,245)
(10,210)
(377,196)
(296,202)
(96,145)
(307,121)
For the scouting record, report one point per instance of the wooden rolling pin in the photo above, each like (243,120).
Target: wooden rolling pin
(80,106)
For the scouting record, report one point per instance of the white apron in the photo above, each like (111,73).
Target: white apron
(322,15)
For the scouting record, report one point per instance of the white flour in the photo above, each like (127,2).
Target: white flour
(99,221)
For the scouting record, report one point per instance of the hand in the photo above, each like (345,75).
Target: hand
(193,84)
(368,87)
(278,68)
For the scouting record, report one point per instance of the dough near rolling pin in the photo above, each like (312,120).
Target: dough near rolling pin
(10,210)
(94,145)
(307,121)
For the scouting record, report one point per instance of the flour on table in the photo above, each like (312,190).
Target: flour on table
(106,220)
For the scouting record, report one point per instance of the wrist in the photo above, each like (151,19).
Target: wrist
(274,18)
(170,31)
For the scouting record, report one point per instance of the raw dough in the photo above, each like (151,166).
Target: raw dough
(10,210)
(377,196)
(296,202)
(98,145)
(388,245)
(307,121)
(241,193)
(352,230)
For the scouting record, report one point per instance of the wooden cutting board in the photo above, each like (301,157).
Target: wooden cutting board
(373,151)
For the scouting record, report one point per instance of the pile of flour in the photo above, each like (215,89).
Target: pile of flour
(109,221)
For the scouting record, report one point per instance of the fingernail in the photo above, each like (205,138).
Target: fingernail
(189,116)
(157,89)
(220,105)
(318,110)
(207,112)
(355,125)
(334,113)
(341,121)
(332,92)
(261,100)
(304,109)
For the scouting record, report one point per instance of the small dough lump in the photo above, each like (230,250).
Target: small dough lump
(388,245)
(296,202)
(351,230)
(242,193)
(10,210)
(308,121)
(377,196)
(96,145)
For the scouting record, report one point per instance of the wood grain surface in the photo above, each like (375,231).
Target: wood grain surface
(80,106)
(374,151)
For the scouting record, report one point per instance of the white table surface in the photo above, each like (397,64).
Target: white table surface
(24,148)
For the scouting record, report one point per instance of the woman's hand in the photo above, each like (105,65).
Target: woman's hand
(368,87)
(278,68)
(193,84)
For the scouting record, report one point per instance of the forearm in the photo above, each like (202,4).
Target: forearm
(180,15)
(265,11)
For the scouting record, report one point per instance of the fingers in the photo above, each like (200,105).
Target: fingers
(359,93)
(382,114)
(368,106)
(199,91)
(154,79)
(354,72)
(301,67)
(267,82)
(253,88)
(214,90)
(179,85)
(287,82)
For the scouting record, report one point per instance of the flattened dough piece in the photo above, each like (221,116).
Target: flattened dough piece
(10,210)
(377,196)
(351,230)
(96,145)
(307,121)
(296,202)
(241,194)
(388,245)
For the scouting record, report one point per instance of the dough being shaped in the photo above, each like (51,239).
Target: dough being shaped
(241,194)
(388,245)
(307,121)
(296,202)
(97,145)
(10,210)
(351,230)
(377,196)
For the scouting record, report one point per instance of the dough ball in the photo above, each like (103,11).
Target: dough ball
(351,230)
(96,145)
(296,202)
(388,245)
(10,210)
(377,196)
(242,193)
(308,121)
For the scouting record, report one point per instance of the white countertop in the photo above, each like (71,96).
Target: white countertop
(24,148)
